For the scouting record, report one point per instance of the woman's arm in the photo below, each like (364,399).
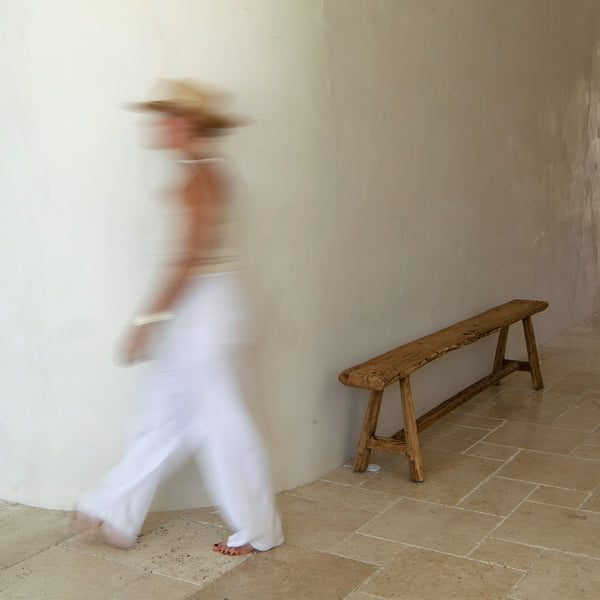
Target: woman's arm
(200,202)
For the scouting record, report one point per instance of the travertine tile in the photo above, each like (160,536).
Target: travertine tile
(553,527)
(593,503)
(558,497)
(591,400)
(468,420)
(359,596)
(155,587)
(484,396)
(536,437)
(157,518)
(346,495)
(25,531)
(179,548)
(423,574)
(318,525)
(61,574)
(289,572)
(555,366)
(208,515)
(526,406)
(577,384)
(579,417)
(431,526)
(554,372)
(367,549)
(468,407)
(521,380)
(486,450)
(487,394)
(506,554)
(561,576)
(448,477)
(551,469)
(593,439)
(498,496)
(575,360)
(477,401)
(585,451)
(347,476)
(447,436)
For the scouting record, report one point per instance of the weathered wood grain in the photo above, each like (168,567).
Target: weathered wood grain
(363,452)
(413,450)
(387,445)
(523,365)
(501,348)
(532,355)
(379,372)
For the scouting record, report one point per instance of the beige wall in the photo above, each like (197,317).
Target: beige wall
(410,164)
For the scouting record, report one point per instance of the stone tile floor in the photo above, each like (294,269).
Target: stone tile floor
(510,510)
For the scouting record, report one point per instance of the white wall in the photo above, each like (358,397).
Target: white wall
(410,164)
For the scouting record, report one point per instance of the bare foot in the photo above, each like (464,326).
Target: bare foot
(223,548)
(105,534)
(81,523)
(96,531)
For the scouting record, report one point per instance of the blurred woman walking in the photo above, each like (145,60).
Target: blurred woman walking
(193,398)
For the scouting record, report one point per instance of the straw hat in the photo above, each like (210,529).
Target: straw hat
(197,101)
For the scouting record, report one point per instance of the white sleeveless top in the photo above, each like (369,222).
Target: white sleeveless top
(225,253)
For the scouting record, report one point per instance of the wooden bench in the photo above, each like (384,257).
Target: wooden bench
(397,365)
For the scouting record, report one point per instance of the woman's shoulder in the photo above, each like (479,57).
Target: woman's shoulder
(208,181)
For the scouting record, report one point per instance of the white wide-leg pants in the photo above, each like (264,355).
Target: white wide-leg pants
(193,402)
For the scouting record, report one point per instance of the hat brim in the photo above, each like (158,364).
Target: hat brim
(209,119)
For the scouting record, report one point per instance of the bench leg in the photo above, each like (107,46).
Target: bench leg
(500,351)
(363,452)
(532,355)
(413,450)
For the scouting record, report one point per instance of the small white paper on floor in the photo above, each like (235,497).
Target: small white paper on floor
(373,468)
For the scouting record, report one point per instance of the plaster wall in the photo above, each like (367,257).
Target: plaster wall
(410,164)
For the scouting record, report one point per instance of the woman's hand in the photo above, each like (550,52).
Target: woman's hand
(136,345)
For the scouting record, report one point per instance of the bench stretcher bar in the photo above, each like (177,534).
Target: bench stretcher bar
(429,418)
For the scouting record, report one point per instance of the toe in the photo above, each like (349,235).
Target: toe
(222,548)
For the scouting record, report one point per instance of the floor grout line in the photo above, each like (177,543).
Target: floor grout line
(516,586)
(500,467)
(331,503)
(106,559)
(444,552)
(347,485)
(545,452)
(548,549)
(484,437)
(364,594)
(504,519)
(220,526)
(588,498)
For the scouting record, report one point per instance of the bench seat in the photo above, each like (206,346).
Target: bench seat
(379,372)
